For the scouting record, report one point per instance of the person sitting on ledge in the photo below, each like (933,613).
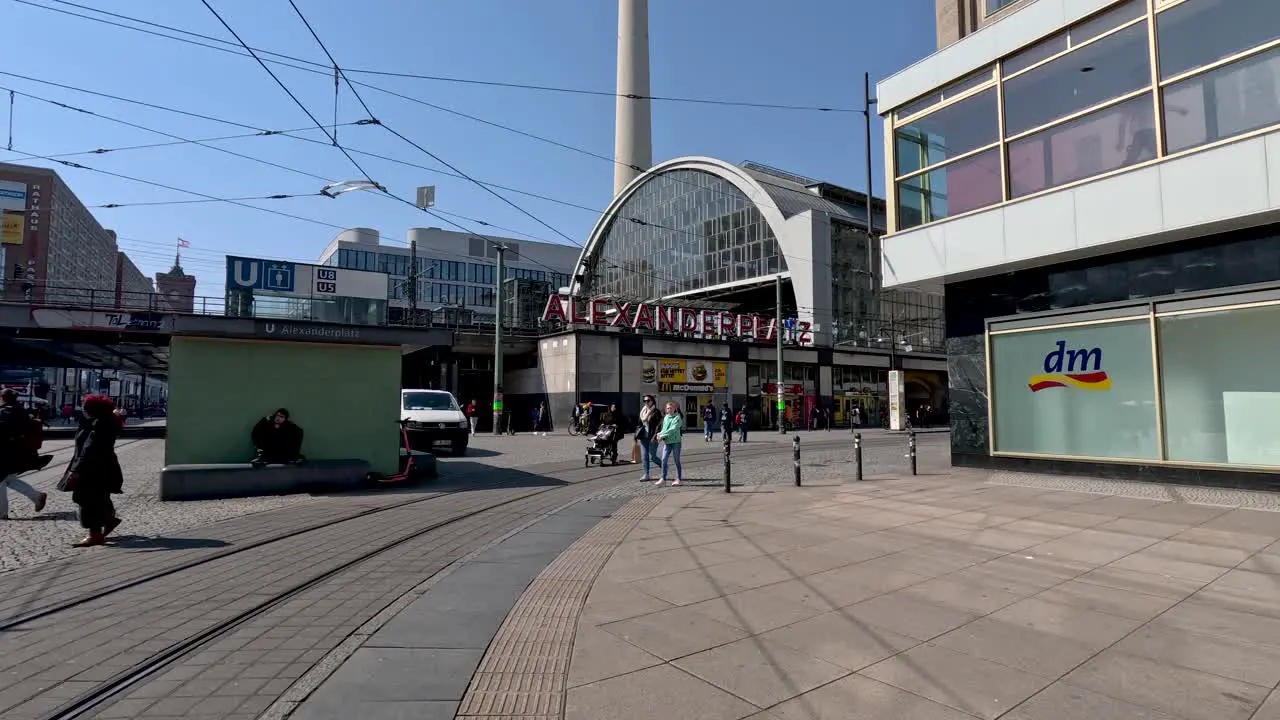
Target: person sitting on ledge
(277,440)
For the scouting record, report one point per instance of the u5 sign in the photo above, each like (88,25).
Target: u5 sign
(288,279)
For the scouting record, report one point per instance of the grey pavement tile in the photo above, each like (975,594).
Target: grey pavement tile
(964,594)
(1092,629)
(400,674)
(905,615)
(658,692)
(685,588)
(1174,690)
(1145,583)
(1267,561)
(932,560)
(1000,539)
(1144,528)
(1045,528)
(1248,662)
(1207,618)
(964,682)
(376,710)
(1109,600)
(749,573)
(810,560)
(1017,646)
(1076,518)
(1258,522)
(860,698)
(1199,553)
(1181,513)
(855,583)
(841,640)
(1062,701)
(754,611)
(800,592)
(674,633)
(527,546)
(611,601)
(1270,709)
(1148,562)
(761,671)
(598,655)
(1021,574)
(1226,538)
(472,628)
(1244,591)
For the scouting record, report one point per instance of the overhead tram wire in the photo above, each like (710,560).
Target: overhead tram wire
(290,93)
(322,69)
(327,69)
(172,143)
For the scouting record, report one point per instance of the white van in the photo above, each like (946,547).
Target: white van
(434,420)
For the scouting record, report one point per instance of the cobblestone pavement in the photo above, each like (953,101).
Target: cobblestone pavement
(28,539)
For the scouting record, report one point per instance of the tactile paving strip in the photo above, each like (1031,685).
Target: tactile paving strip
(522,675)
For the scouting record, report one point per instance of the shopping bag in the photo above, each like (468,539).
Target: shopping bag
(635,451)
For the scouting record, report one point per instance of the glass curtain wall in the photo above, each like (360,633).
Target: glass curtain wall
(1086,101)
(682,230)
(1089,390)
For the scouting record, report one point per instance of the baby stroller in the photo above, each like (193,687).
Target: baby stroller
(604,444)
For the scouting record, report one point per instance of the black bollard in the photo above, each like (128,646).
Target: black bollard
(795,457)
(911,449)
(728,472)
(857,455)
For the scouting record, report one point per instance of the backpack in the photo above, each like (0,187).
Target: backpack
(32,438)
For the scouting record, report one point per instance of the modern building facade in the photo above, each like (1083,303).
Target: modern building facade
(705,238)
(455,270)
(53,249)
(1096,187)
(956,19)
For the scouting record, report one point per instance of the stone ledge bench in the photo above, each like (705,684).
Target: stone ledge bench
(233,480)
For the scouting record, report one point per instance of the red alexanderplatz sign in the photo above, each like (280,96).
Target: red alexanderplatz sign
(663,318)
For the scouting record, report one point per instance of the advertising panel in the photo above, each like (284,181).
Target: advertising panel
(897,401)
(13,195)
(278,277)
(721,372)
(12,230)
(686,376)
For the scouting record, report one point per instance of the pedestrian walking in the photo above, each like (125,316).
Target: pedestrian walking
(93,475)
(647,433)
(543,420)
(856,417)
(726,420)
(16,453)
(708,421)
(471,416)
(671,435)
(743,419)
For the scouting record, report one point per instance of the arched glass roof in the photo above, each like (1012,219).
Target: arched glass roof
(681,230)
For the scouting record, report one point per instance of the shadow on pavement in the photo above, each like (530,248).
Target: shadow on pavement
(139,542)
(458,475)
(59,515)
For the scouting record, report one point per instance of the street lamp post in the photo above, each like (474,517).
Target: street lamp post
(497,340)
(777,336)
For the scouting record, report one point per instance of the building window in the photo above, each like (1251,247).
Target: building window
(1086,391)
(1103,70)
(948,92)
(953,130)
(1219,390)
(1230,100)
(958,187)
(1197,33)
(994,6)
(1108,139)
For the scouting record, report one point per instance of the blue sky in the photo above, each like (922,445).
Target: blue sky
(813,52)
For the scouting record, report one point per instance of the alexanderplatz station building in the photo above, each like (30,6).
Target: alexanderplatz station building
(675,295)
(1095,187)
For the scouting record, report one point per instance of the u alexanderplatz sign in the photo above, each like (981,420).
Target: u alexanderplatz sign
(662,318)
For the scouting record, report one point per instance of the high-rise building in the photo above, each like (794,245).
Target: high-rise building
(454,269)
(1095,186)
(53,249)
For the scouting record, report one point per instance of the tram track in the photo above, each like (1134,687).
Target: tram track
(111,688)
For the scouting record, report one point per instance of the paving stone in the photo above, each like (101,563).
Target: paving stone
(841,640)
(760,671)
(1017,646)
(1174,690)
(860,698)
(598,655)
(1249,662)
(964,682)
(658,692)
(1062,701)
(1108,600)
(755,611)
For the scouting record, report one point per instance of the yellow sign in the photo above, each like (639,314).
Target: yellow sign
(671,371)
(721,371)
(12,232)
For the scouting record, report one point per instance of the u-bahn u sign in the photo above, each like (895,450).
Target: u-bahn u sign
(664,318)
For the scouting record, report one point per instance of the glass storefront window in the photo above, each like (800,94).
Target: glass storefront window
(1221,392)
(1226,101)
(954,130)
(1199,32)
(955,89)
(964,185)
(1085,31)
(1086,391)
(1102,141)
(1111,67)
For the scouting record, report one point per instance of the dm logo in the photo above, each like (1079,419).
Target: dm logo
(1083,370)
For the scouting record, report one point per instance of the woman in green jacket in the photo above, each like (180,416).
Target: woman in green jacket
(671,434)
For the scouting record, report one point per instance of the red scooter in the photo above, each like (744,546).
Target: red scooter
(409,463)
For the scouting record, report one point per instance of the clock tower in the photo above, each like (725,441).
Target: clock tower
(176,288)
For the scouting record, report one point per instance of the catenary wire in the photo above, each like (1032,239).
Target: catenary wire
(419,76)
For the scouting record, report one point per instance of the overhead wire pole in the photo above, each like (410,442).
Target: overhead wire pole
(497,339)
(777,336)
(867,102)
